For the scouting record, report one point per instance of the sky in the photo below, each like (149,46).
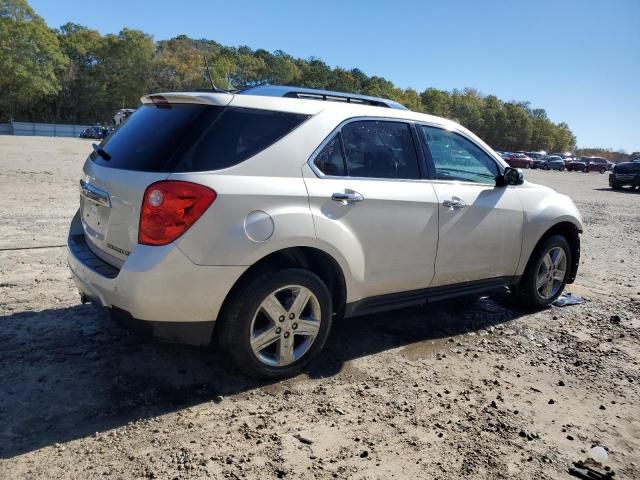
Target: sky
(577,59)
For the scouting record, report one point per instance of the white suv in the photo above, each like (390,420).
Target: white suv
(270,212)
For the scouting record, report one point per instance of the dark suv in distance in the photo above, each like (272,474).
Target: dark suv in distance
(625,173)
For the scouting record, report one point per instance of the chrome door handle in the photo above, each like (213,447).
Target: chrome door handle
(454,203)
(347,196)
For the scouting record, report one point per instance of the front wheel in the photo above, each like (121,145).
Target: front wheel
(546,273)
(276,323)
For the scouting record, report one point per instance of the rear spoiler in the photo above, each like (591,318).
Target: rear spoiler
(221,99)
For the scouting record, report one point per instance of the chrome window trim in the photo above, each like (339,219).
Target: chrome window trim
(408,121)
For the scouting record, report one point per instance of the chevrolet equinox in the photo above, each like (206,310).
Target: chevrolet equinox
(255,219)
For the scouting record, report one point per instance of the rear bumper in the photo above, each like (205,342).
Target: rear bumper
(155,284)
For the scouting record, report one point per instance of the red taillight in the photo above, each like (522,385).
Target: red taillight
(169,208)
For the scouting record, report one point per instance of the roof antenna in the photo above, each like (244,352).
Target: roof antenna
(206,65)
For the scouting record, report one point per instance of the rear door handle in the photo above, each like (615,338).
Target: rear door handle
(454,203)
(347,196)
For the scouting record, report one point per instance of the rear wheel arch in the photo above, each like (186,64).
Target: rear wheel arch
(309,258)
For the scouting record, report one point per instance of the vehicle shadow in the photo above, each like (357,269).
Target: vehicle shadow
(69,373)
(621,190)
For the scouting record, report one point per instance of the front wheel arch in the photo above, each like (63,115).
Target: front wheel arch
(572,234)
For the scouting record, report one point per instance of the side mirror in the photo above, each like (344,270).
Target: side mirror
(511,176)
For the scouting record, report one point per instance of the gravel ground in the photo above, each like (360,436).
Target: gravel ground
(475,388)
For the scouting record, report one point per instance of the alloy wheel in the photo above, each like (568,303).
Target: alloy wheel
(552,271)
(285,325)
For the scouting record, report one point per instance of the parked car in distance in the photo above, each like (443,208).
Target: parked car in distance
(537,158)
(625,174)
(553,162)
(271,212)
(518,160)
(566,156)
(97,132)
(596,164)
(575,165)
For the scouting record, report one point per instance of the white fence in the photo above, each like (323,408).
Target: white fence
(41,129)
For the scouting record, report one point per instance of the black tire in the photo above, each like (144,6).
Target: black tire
(233,331)
(526,291)
(546,167)
(585,170)
(602,170)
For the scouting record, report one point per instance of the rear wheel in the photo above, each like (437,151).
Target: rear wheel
(276,323)
(546,273)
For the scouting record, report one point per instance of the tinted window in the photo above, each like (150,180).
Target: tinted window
(330,160)
(187,137)
(376,149)
(456,158)
(238,134)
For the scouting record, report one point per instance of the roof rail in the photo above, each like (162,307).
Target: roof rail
(315,94)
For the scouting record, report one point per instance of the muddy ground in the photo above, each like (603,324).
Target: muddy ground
(475,388)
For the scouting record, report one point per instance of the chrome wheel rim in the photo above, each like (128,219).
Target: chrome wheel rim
(551,272)
(285,325)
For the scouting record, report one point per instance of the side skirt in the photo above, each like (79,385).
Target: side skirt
(391,301)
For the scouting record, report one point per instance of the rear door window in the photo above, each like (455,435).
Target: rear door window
(193,137)
(380,149)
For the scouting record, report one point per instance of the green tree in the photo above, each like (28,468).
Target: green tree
(126,63)
(30,58)
(436,102)
(178,65)
(81,94)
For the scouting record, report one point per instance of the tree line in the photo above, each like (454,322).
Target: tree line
(73,74)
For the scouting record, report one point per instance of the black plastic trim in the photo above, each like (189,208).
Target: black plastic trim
(80,250)
(189,333)
(575,257)
(392,301)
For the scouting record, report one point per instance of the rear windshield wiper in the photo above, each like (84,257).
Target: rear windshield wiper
(101,151)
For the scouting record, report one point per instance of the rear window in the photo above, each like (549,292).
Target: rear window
(187,137)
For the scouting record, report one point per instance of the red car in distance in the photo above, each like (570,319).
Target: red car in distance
(518,160)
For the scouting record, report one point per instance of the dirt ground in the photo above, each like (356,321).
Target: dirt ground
(470,389)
